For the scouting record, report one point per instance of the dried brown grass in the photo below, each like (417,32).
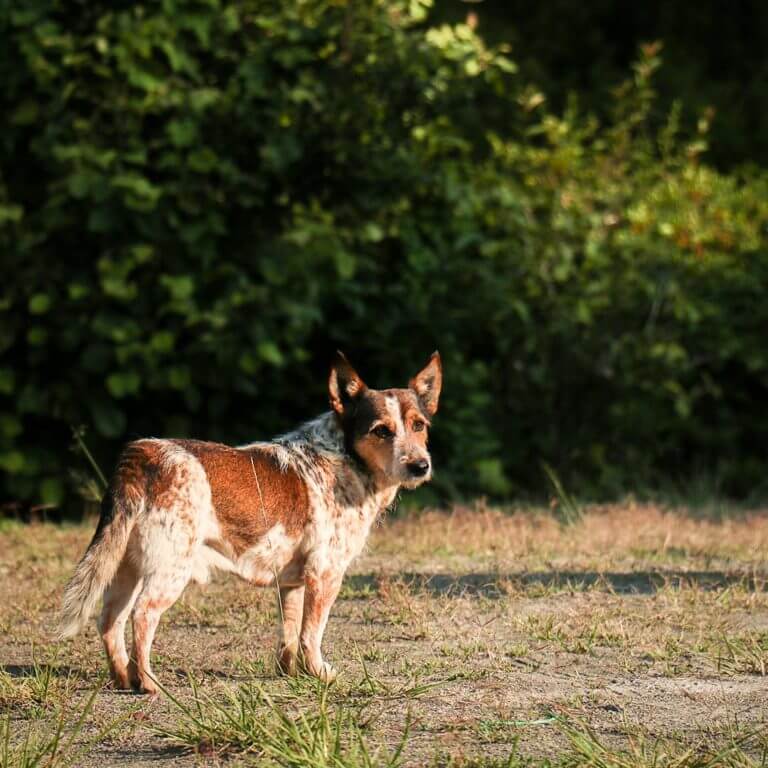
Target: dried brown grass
(608,531)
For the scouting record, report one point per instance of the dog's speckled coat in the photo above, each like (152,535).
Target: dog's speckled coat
(296,510)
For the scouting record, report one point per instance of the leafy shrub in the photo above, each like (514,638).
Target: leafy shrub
(199,201)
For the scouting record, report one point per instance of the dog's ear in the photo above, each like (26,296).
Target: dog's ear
(344,384)
(428,382)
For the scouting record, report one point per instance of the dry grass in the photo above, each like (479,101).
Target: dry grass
(635,636)
(607,533)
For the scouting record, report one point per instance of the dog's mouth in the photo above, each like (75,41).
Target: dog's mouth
(412,481)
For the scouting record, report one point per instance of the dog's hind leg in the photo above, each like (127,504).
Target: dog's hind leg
(291,608)
(118,601)
(160,591)
(168,549)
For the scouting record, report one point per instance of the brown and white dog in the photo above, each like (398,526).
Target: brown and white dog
(294,511)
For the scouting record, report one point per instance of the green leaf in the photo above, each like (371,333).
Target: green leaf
(182,132)
(345,264)
(491,477)
(39,304)
(80,184)
(270,352)
(123,384)
(10,214)
(26,113)
(140,193)
(181,287)
(162,342)
(77,291)
(12,461)
(37,336)
(202,161)
(179,377)
(372,232)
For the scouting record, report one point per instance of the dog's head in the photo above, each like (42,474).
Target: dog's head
(387,429)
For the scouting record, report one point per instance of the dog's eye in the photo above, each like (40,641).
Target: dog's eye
(418,426)
(382,431)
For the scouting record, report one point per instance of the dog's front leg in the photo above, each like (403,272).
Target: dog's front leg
(320,592)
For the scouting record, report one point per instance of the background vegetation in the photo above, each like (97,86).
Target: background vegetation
(200,200)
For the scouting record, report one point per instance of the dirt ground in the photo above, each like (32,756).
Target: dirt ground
(484,631)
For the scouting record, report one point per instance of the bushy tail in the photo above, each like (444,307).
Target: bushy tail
(99,564)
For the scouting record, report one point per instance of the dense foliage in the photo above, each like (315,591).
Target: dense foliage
(714,59)
(200,199)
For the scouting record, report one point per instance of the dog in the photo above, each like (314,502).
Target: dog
(292,512)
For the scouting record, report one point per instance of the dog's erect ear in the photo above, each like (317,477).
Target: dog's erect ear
(428,382)
(344,384)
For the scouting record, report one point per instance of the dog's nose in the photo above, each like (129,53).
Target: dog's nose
(418,468)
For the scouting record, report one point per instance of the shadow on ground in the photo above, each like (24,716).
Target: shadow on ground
(32,670)
(499,584)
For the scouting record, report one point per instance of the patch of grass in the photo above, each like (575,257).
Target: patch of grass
(744,654)
(496,730)
(36,693)
(374,653)
(412,688)
(401,604)
(8,524)
(352,591)
(512,760)
(50,745)
(673,656)
(580,636)
(566,508)
(587,749)
(258,667)
(297,731)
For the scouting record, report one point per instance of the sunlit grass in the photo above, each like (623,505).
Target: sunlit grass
(298,729)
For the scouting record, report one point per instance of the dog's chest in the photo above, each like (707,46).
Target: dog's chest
(344,528)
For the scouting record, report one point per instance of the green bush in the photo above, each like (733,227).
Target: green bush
(199,201)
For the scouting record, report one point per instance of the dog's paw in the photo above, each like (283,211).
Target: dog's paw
(287,662)
(120,678)
(142,683)
(327,673)
(322,671)
(146,688)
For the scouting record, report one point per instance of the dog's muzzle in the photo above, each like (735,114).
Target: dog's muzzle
(418,468)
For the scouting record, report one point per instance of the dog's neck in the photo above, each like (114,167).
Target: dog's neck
(323,438)
(322,433)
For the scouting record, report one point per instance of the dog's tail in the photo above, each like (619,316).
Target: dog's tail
(119,508)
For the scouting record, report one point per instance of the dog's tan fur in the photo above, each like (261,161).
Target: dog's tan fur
(294,511)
